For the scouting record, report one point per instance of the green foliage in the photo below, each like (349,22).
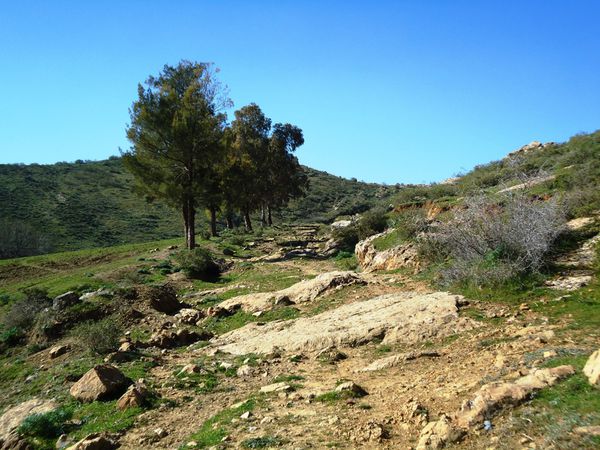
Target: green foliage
(99,337)
(346,261)
(103,417)
(198,263)
(371,222)
(47,425)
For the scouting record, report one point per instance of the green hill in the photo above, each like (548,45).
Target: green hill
(68,206)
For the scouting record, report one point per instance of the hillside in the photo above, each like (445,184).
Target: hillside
(68,206)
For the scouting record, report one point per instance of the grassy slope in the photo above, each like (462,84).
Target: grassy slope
(91,204)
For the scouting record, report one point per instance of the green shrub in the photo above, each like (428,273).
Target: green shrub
(371,222)
(198,263)
(99,337)
(11,336)
(47,425)
(23,313)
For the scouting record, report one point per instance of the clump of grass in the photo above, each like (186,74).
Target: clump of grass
(103,417)
(47,425)
(99,337)
(198,263)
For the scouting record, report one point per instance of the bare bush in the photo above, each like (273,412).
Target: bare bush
(100,337)
(492,240)
(24,312)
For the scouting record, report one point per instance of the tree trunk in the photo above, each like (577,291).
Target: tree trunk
(229,222)
(191,225)
(247,222)
(269,217)
(213,222)
(186,224)
(263,216)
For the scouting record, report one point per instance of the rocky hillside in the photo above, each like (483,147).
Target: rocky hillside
(67,206)
(290,349)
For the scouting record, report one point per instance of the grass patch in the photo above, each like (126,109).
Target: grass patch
(103,416)
(241,318)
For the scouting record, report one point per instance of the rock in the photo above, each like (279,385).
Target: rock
(65,300)
(437,434)
(244,371)
(62,442)
(119,357)
(15,442)
(101,382)
(392,361)
(172,339)
(189,316)
(94,442)
(12,417)
(593,430)
(126,347)
(246,416)
(495,396)
(160,433)
(579,223)
(569,283)
(341,224)
(406,317)
(330,355)
(163,299)
(370,259)
(351,387)
(190,369)
(276,387)
(58,350)
(592,369)
(301,292)
(550,354)
(135,396)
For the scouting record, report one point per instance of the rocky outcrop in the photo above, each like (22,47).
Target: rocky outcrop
(94,442)
(181,337)
(304,291)
(13,417)
(65,300)
(592,369)
(370,259)
(135,396)
(528,148)
(406,317)
(395,360)
(58,350)
(102,382)
(437,434)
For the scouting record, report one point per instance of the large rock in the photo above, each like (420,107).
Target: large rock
(304,291)
(493,397)
(407,317)
(65,300)
(94,442)
(102,382)
(370,259)
(135,396)
(181,337)
(437,434)
(592,369)
(13,417)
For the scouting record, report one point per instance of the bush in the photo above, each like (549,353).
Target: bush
(23,313)
(47,425)
(370,223)
(99,337)
(198,263)
(490,242)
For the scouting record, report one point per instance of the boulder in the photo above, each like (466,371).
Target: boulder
(276,387)
(592,369)
(136,395)
(352,388)
(189,316)
(438,434)
(65,300)
(101,382)
(181,337)
(58,350)
(163,299)
(94,442)
(494,396)
(14,416)
(370,259)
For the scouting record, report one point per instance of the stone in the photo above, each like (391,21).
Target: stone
(495,396)
(301,292)
(126,347)
(246,416)
(134,397)
(276,387)
(189,316)
(592,430)
(244,371)
(94,442)
(171,339)
(592,369)
(550,354)
(14,416)
(395,360)
(190,369)
(403,317)
(65,300)
(351,387)
(160,433)
(438,434)
(62,442)
(102,382)
(58,350)
(370,259)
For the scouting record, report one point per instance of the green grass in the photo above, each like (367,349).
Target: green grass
(241,318)
(103,417)
(390,240)
(216,428)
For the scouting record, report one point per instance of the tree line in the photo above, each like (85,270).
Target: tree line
(186,153)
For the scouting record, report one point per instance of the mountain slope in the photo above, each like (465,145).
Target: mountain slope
(67,206)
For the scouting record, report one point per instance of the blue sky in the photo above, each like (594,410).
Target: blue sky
(386,91)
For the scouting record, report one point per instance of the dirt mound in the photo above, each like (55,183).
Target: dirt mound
(403,317)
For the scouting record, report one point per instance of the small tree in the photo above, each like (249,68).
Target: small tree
(176,130)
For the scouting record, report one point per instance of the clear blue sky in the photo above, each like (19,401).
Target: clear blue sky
(386,91)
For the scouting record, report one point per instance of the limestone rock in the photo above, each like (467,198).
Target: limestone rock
(101,382)
(65,300)
(592,369)
(276,387)
(351,387)
(395,360)
(593,430)
(172,339)
(12,417)
(370,259)
(495,396)
(189,316)
(437,434)
(94,442)
(407,317)
(304,291)
(135,396)
(58,350)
